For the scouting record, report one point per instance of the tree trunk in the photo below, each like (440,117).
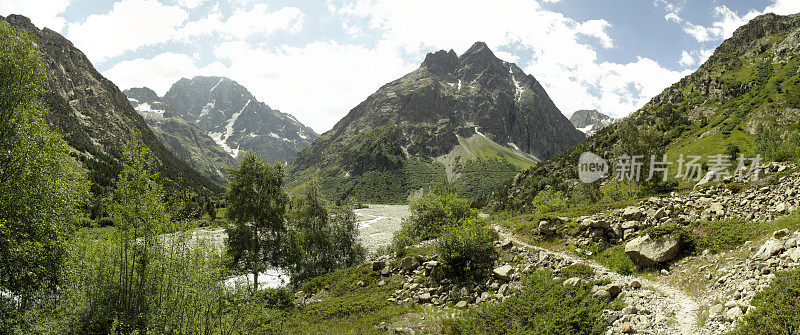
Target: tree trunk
(255,281)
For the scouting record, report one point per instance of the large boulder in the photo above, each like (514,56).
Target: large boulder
(409,263)
(648,251)
(504,272)
(770,248)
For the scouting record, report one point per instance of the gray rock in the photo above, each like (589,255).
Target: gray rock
(734,313)
(709,177)
(409,263)
(780,233)
(769,249)
(647,251)
(716,309)
(794,255)
(425,297)
(503,273)
(461,304)
(632,213)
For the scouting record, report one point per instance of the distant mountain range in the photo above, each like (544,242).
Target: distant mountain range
(590,121)
(473,119)
(184,139)
(96,118)
(236,120)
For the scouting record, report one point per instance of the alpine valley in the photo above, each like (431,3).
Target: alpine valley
(456,199)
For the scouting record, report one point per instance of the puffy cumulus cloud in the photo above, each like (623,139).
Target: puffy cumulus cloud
(318,83)
(132,24)
(244,23)
(43,13)
(726,23)
(686,59)
(129,25)
(564,58)
(783,7)
(190,4)
(159,72)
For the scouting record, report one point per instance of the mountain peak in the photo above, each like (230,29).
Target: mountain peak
(141,93)
(479,50)
(441,62)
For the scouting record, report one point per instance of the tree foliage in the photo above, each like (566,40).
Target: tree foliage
(257,239)
(40,189)
(324,241)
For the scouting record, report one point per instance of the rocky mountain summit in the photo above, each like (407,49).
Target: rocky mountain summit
(95,117)
(451,102)
(590,121)
(236,120)
(184,139)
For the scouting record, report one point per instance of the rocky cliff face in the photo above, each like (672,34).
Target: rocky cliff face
(236,120)
(451,95)
(95,116)
(590,121)
(184,139)
(431,111)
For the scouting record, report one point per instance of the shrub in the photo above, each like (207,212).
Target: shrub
(777,307)
(545,306)
(548,201)
(735,187)
(615,259)
(467,249)
(577,270)
(717,236)
(434,211)
(105,222)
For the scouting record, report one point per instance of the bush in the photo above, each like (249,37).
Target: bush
(735,187)
(467,249)
(717,236)
(545,306)
(777,307)
(436,210)
(615,258)
(105,222)
(577,270)
(548,201)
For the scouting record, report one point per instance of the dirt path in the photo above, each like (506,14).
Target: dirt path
(672,301)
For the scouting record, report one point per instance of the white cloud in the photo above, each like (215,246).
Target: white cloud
(569,68)
(318,84)
(783,7)
(129,25)
(726,20)
(686,59)
(159,72)
(244,23)
(43,13)
(190,4)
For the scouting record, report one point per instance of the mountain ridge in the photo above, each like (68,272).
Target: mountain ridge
(236,120)
(184,139)
(95,117)
(427,110)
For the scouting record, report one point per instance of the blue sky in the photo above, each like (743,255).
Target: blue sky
(318,59)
